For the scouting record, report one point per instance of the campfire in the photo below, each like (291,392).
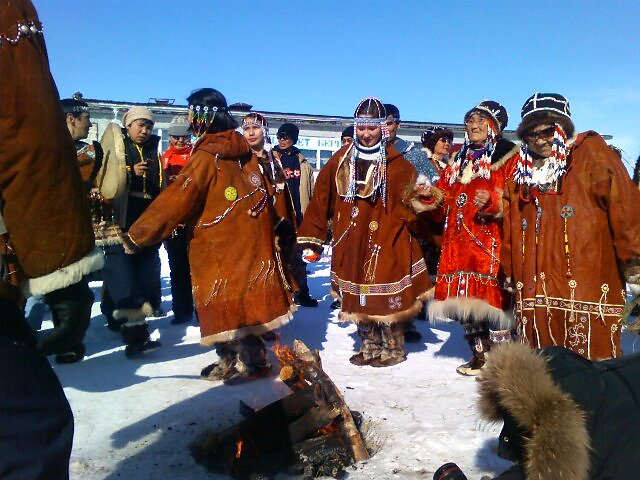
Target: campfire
(311,432)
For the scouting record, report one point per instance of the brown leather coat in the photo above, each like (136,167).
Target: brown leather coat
(569,277)
(43,201)
(238,278)
(377,267)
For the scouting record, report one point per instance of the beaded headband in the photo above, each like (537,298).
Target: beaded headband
(76,109)
(203,117)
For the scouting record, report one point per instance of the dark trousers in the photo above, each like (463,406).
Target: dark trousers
(129,279)
(177,246)
(36,423)
(298,268)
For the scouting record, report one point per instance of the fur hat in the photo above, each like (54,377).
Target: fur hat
(432,134)
(289,129)
(493,110)
(136,113)
(542,108)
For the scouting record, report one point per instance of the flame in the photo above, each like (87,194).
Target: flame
(290,370)
(239,448)
(328,429)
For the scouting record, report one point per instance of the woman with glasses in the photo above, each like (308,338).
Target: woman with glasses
(572,235)
(469,281)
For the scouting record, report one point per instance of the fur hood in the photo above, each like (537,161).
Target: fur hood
(517,386)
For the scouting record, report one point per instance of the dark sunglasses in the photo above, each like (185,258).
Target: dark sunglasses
(283,136)
(540,134)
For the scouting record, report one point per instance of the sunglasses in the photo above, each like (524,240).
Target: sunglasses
(283,136)
(543,134)
(445,140)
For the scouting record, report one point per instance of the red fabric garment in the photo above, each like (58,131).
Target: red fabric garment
(173,160)
(469,280)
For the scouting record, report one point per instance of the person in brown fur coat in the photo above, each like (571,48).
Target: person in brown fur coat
(571,234)
(46,245)
(239,284)
(377,268)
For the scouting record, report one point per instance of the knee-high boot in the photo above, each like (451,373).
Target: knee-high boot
(370,346)
(392,345)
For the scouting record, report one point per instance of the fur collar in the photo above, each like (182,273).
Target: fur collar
(517,380)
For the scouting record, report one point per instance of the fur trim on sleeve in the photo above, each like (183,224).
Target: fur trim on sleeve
(517,379)
(65,276)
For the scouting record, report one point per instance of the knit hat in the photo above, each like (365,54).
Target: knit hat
(348,132)
(493,110)
(547,102)
(393,114)
(431,136)
(179,127)
(290,130)
(137,113)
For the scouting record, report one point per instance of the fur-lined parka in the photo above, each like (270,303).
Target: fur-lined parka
(238,277)
(43,201)
(564,416)
(569,270)
(377,268)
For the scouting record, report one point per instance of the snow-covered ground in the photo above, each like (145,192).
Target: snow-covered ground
(135,418)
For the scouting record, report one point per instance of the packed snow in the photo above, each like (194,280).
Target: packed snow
(134,419)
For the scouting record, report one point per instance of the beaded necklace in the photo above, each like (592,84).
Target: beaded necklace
(481,161)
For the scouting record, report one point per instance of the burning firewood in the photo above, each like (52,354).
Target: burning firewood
(310,432)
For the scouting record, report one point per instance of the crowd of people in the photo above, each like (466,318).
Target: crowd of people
(529,245)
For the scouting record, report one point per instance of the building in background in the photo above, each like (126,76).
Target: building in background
(319,134)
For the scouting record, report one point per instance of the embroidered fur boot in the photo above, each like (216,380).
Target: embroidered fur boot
(478,338)
(392,346)
(371,344)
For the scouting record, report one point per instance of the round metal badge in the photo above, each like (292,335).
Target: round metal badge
(373,225)
(230,193)
(566,211)
(461,200)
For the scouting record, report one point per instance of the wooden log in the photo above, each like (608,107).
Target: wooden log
(311,370)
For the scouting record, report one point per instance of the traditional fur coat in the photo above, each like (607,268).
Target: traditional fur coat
(43,200)
(569,251)
(377,268)
(469,283)
(238,279)
(564,416)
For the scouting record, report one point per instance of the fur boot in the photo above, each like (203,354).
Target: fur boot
(135,331)
(392,345)
(477,336)
(370,344)
(250,361)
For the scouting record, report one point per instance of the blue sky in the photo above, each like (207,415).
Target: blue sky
(434,60)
